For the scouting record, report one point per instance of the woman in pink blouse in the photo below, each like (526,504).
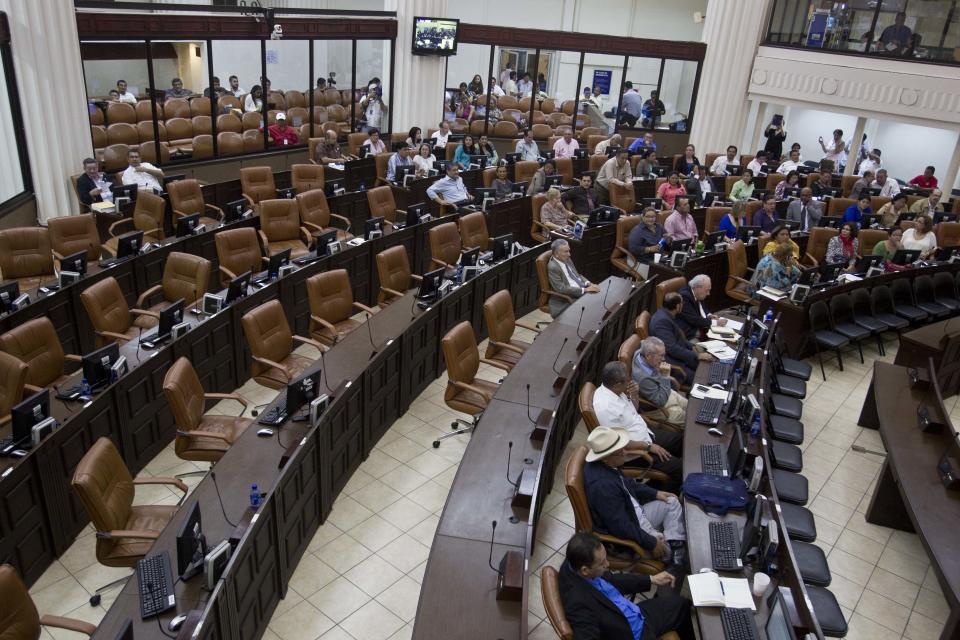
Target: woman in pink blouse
(670,189)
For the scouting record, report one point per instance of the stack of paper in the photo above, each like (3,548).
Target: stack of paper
(772,294)
(718,349)
(103,207)
(700,392)
(710,590)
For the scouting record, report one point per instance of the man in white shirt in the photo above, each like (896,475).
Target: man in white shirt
(526,147)
(125,96)
(441,135)
(757,163)
(601,148)
(505,74)
(142,174)
(495,88)
(235,88)
(450,190)
(719,166)
(871,163)
(615,404)
(596,99)
(510,84)
(791,164)
(888,187)
(525,86)
(565,146)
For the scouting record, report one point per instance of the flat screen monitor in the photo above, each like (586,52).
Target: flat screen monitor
(287,194)
(435,36)
(945,217)
(778,625)
(372,227)
(603,215)
(736,452)
(745,232)
(946,253)
(96,364)
(233,210)
(869,191)
(416,212)
(681,245)
(552,181)
(191,545)
(128,191)
(830,221)
(470,257)
(323,241)
(482,194)
(501,247)
(76,262)
(238,287)
(26,414)
(9,291)
(521,187)
(870,221)
(864,263)
(478,161)
(733,169)
(129,245)
(906,256)
(172,315)
(430,285)
(511,158)
(277,260)
(187,224)
(334,188)
(302,391)
(400,174)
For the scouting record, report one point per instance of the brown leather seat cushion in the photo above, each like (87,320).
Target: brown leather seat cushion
(295,365)
(296,247)
(211,449)
(18,615)
(506,356)
(127,551)
(469,401)
(36,343)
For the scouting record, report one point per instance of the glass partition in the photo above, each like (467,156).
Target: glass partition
(373,86)
(603,74)
(333,71)
(466,89)
(181,81)
(288,71)
(237,65)
(640,105)
(676,93)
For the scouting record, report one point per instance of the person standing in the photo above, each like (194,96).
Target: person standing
(775,135)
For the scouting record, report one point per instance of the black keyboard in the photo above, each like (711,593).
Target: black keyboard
(275,416)
(710,411)
(302,260)
(711,460)
(738,624)
(719,373)
(724,546)
(156,584)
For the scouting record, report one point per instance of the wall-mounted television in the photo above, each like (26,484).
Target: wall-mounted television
(435,36)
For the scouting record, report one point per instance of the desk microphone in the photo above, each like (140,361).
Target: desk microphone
(603,303)
(555,360)
(139,338)
(370,335)
(493,533)
(323,369)
(514,483)
(528,406)
(213,476)
(582,309)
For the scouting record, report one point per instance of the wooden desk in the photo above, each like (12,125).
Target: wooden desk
(933,341)
(909,496)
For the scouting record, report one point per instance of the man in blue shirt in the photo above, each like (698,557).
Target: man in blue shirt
(401,158)
(596,601)
(631,105)
(646,142)
(450,190)
(896,37)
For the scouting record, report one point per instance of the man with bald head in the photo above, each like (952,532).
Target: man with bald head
(805,210)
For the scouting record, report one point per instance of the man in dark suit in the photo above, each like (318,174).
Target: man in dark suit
(680,352)
(805,210)
(582,199)
(695,319)
(595,606)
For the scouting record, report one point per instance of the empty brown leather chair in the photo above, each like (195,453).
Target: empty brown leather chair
(445,245)
(304,177)
(229,143)
(621,258)
(186,199)
(817,244)
(505,129)
(738,284)
(501,323)
(538,231)
(381,203)
(26,256)
(19,618)
(669,286)
(238,251)
(380,162)
(948,235)
(121,112)
(112,319)
(465,391)
(184,276)
(870,237)
(200,146)
(105,488)
(200,437)
(13,377)
(72,234)
(332,305)
(271,345)
(148,215)
(712,218)
(473,231)
(393,270)
(316,217)
(280,228)
(256,184)
(37,345)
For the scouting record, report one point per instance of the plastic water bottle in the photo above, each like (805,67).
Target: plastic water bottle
(254,497)
(363,187)
(755,427)
(768,316)
(459,274)
(84,387)
(753,341)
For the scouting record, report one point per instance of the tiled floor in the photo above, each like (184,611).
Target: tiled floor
(361,575)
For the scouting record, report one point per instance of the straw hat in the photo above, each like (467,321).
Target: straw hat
(604,441)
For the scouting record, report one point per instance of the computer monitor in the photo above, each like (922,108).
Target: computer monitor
(440,165)
(906,216)
(612,151)
(302,391)
(76,262)
(736,453)
(945,217)
(761,194)
(792,192)
(867,192)
(26,414)
(680,245)
(416,213)
(521,187)
(484,195)
(96,364)
(238,287)
(511,158)
(603,215)
(501,246)
(830,221)
(750,537)
(400,174)
(234,210)
(187,224)
(864,263)
(127,191)
(745,232)
(191,544)
(287,194)
(548,154)
(430,284)
(470,257)
(373,228)
(323,241)
(478,161)
(9,291)
(830,271)
(779,626)
(129,245)
(276,261)
(334,188)
(580,153)
(552,181)
(870,221)
(172,315)
(769,541)
(947,253)
(656,203)
(905,256)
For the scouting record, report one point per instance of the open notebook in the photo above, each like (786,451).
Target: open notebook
(710,590)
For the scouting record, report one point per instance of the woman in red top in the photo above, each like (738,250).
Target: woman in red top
(927,180)
(670,189)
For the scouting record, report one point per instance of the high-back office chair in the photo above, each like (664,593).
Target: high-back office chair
(112,319)
(738,285)
(148,216)
(623,197)
(473,230)
(465,391)
(625,354)
(186,199)
(870,237)
(641,326)
(712,218)
(380,162)
(393,270)
(184,276)
(238,251)
(19,619)
(445,245)
(621,258)
(837,206)
(624,555)
(546,292)
(523,171)
(538,231)
(304,177)
(256,184)
(817,244)
(316,217)
(36,344)
(72,234)
(13,378)
(200,437)
(271,345)
(26,256)
(332,305)
(669,286)
(382,204)
(280,228)
(501,323)
(948,233)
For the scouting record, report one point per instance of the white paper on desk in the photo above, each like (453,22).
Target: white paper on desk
(721,336)
(719,349)
(336,165)
(736,592)
(710,590)
(735,325)
(700,391)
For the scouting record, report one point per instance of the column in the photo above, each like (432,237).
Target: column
(418,80)
(46,58)
(854,149)
(732,30)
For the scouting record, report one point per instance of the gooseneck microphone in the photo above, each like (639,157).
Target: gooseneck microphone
(493,533)
(514,483)
(555,360)
(213,476)
(139,338)
(603,303)
(582,309)
(528,406)
(323,370)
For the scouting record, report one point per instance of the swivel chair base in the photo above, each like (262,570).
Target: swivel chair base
(468,428)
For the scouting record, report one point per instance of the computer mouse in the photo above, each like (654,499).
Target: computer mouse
(715,432)
(177,621)
(265,433)
(717,385)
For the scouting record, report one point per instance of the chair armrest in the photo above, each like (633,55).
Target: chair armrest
(305,236)
(157,288)
(263,240)
(5,419)
(507,346)
(56,255)
(203,434)
(469,387)
(315,227)
(31,388)
(627,252)
(620,542)
(440,263)
(144,312)
(128,533)
(551,292)
(272,364)
(226,396)
(364,308)
(811,259)
(741,280)
(112,229)
(391,224)
(494,363)
(111,334)
(313,343)
(179,484)
(326,325)
(72,357)
(249,200)
(392,292)
(416,278)
(217,209)
(227,272)
(528,327)
(179,214)
(70,624)
(339,217)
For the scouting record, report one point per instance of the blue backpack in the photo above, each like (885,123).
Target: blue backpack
(716,494)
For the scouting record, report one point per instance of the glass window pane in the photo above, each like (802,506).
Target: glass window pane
(676,93)
(602,73)
(288,71)
(180,74)
(11,180)
(332,60)
(237,64)
(465,94)
(373,86)
(640,108)
(917,31)
(515,69)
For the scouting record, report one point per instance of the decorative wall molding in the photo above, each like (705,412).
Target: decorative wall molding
(919,93)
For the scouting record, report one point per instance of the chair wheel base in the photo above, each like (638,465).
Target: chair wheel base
(454,425)
(94,599)
(436,444)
